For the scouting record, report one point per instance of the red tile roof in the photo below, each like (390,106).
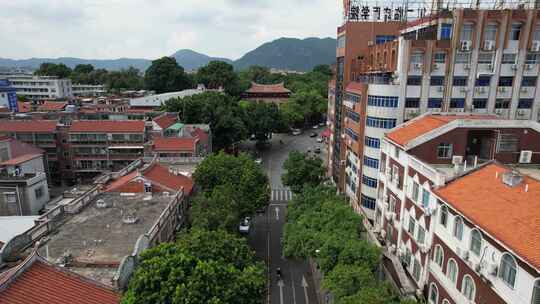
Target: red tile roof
(509,214)
(19,148)
(19,160)
(201,134)
(424,124)
(267,88)
(355,87)
(108,126)
(172,144)
(24,107)
(36,126)
(166,120)
(51,106)
(4,110)
(35,281)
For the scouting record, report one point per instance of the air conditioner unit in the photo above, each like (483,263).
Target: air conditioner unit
(514,67)
(465,45)
(440,89)
(418,66)
(457,160)
(528,67)
(525,157)
(521,113)
(465,255)
(535,46)
(489,45)
(435,66)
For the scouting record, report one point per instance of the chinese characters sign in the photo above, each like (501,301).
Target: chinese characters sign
(363,11)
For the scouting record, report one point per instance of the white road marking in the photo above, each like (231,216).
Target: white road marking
(305,286)
(280,284)
(293,291)
(277,213)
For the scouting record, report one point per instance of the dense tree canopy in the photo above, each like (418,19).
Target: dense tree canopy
(301,170)
(165,75)
(219,74)
(262,119)
(201,267)
(52,69)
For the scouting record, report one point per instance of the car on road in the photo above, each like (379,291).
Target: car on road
(244,226)
(313,134)
(315,127)
(319,140)
(317,150)
(296,132)
(258,160)
(322,124)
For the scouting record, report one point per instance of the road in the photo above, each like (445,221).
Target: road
(296,286)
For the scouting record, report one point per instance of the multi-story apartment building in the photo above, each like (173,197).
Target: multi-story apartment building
(41,87)
(454,60)
(458,203)
(88,90)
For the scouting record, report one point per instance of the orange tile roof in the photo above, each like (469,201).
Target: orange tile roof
(35,281)
(174,144)
(108,126)
(267,88)
(19,160)
(49,106)
(161,175)
(424,124)
(166,120)
(37,126)
(354,87)
(509,214)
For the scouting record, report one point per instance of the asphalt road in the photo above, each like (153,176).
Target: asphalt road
(296,285)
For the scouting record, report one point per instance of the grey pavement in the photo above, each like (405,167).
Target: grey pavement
(296,286)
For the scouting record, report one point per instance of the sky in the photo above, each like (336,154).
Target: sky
(107,29)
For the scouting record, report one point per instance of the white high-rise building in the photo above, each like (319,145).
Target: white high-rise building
(41,87)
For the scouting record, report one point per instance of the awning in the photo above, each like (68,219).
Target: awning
(177,126)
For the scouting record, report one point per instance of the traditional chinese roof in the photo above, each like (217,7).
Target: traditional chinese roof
(107,126)
(267,88)
(166,120)
(34,126)
(508,214)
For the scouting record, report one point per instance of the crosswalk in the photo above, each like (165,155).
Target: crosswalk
(281,195)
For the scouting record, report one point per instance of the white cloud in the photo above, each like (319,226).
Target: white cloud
(154,28)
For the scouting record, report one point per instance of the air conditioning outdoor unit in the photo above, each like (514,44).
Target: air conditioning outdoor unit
(418,66)
(535,46)
(525,157)
(435,66)
(514,67)
(457,160)
(528,67)
(521,113)
(489,45)
(466,45)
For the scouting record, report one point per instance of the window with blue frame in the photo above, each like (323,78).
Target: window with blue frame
(425,198)
(434,103)
(414,80)
(506,81)
(528,81)
(483,81)
(352,134)
(352,97)
(368,202)
(372,142)
(457,103)
(480,103)
(383,123)
(368,181)
(436,80)
(380,39)
(446,31)
(525,103)
(371,162)
(460,81)
(383,101)
(353,115)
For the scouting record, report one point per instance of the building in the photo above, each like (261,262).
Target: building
(456,60)
(13,226)
(88,90)
(42,106)
(268,93)
(41,87)
(23,179)
(457,204)
(8,96)
(152,102)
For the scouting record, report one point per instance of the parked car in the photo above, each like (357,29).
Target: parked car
(258,160)
(296,132)
(315,127)
(313,134)
(317,150)
(322,124)
(244,226)
(319,140)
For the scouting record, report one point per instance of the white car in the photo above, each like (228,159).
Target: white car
(315,127)
(258,160)
(319,140)
(244,226)
(296,132)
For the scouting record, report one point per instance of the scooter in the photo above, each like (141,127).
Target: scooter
(278,273)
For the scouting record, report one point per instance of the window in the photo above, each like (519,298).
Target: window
(439,57)
(443,219)
(368,181)
(353,135)
(368,202)
(458,228)
(501,103)
(352,97)
(462,57)
(507,143)
(446,31)
(372,142)
(515,31)
(416,270)
(392,204)
(425,198)
(445,301)
(480,103)
(353,116)
(536,293)
(414,80)
(508,270)
(483,81)
(380,39)
(452,270)
(412,103)
(434,103)
(509,58)
(457,103)
(417,57)
(371,162)
(444,150)
(383,101)
(466,32)
(436,80)
(506,81)
(525,103)
(10,197)
(467,288)
(485,58)
(415,191)
(433,294)
(383,123)
(490,32)
(421,235)
(407,258)
(532,58)
(459,81)
(476,242)
(438,255)
(341,42)
(38,192)
(528,81)
(412,224)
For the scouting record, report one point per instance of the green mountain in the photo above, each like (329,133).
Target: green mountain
(192,60)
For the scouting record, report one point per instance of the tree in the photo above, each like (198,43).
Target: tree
(201,267)
(51,69)
(83,69)
(301,170)
(345,280)
(262,119)
(219,74)
(165,75)
(323,69)
(129,79)
(216,209)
